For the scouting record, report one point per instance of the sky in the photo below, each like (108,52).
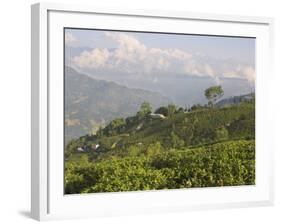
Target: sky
(152,55)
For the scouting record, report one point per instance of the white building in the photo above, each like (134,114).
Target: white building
(161,116)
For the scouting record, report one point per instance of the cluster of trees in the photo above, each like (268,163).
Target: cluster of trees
(223,164)
(167,111)
(170,110)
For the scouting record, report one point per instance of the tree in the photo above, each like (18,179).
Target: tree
(180,110)
(115,126)
(196,107)
(171,109)
(145,109)
(162,110)
(213,94)
(99,132)
(116,123)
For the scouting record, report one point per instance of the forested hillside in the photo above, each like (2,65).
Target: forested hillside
(171,147)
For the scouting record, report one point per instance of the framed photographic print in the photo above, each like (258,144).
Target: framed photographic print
(148,111)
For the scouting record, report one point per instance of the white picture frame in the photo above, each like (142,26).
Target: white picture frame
(47,198)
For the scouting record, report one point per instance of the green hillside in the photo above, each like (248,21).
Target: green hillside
(90,103)
(171,148)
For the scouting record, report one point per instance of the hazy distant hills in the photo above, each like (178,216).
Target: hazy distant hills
(184,90)
(235,100)
(90,103)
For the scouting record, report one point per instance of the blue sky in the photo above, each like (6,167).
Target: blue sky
(150,54)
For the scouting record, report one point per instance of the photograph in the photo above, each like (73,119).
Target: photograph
(147,111)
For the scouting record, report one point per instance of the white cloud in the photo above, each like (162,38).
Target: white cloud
(242,71)
(69,39)
(249,73)
(132,56)
(210,72)
(96,58)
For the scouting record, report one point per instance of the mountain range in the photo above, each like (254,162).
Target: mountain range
(91,103)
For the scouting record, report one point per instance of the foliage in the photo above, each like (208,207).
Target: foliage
(145,109)
(204,146)
(175,141)
(222,164)
(197,107)
(162,110)
(221,133)
(171,109)
(213,93)
(153,149)
(115,126)
(197,127)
